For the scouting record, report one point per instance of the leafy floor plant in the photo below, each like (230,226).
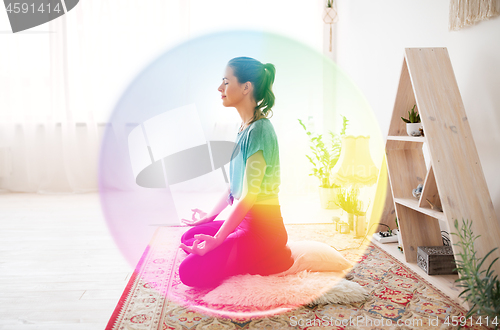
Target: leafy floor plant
(325,154)
(481,288)
(348,200)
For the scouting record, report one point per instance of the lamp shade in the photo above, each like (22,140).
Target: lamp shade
(355,165)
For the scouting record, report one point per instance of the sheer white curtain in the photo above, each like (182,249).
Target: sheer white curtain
(60,81)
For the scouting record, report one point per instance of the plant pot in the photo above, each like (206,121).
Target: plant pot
(360,225)
(413,129)
(350,220)
(329,197)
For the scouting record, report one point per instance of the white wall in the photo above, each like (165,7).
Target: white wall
(371,37)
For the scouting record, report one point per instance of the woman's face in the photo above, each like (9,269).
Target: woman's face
(232,92)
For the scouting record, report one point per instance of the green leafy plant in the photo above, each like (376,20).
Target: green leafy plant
(329,3)
(481,287)
(413,117)
(325,156)
(348,201)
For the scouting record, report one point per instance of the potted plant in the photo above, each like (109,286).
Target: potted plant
(481,285)
(360,220)
(413,123)
(324,157)
(348,201)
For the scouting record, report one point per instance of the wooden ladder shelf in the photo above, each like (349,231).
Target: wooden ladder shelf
(454,182)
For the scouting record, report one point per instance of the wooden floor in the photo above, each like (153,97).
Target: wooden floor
(60,268)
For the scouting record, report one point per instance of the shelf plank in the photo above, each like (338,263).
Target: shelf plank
(403,144)
(406,138)
(413,204)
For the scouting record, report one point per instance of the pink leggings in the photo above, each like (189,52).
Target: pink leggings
(256,246)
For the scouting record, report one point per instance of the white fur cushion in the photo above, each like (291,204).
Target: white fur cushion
(275,291)
(316,257)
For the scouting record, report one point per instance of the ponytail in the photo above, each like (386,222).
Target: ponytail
(262,77)
(265,91)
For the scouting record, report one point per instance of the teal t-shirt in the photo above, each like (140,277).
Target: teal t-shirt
(259,135)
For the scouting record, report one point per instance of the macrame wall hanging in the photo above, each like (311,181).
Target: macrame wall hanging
(468,12)
(330,17)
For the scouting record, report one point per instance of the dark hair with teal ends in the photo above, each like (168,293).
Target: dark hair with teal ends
(262,77)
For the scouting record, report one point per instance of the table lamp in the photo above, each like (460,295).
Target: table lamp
(355,167)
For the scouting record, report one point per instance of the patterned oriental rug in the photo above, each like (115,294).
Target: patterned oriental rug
(399,298)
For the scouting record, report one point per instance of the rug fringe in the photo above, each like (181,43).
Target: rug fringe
(126,293)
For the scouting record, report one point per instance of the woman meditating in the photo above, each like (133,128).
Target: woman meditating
(253,238)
